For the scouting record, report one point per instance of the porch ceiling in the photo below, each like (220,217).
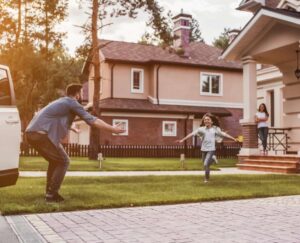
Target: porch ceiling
(285,54)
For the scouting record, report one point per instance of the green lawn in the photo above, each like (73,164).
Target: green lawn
(123,164)
(109,192)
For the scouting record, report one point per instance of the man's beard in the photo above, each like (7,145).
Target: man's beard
(79,101)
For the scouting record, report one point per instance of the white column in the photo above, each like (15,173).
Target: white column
(249,90)
(249,107)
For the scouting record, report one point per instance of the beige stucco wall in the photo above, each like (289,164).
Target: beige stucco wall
(105,87)
(176,84)
(183,83)
(122,81)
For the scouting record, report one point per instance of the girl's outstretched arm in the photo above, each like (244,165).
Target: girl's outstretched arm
(185,138)
(226,135)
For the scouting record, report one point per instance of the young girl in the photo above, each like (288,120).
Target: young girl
(261,119)
(209,133)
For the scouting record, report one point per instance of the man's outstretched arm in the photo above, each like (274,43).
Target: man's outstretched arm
(98,123)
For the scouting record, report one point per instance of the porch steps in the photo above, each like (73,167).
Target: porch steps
(270,163)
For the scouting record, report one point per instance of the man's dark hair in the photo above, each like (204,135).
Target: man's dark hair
(72,89)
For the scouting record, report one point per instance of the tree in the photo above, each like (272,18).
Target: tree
(47,15)
(195,34)
(222,41)
(28,62)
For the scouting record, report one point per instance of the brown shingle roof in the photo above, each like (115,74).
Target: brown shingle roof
(268,3)
(136,105)
(200,54)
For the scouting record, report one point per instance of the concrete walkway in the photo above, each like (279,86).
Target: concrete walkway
(256,220)
(222,171)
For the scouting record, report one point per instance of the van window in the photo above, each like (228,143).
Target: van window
(5,95)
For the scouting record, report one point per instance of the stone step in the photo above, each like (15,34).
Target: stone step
(268,168)
(271,162)
(272,157)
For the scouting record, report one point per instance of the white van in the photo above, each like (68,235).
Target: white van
(10,130)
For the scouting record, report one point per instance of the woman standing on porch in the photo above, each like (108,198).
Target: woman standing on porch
(261,119)
(209,133)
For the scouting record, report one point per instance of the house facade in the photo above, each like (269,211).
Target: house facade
(160,94)
(267,47)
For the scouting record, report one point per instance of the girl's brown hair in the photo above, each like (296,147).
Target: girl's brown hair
(214,119)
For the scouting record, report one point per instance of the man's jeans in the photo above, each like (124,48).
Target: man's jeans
(263,135)
(55,155)
(207,161)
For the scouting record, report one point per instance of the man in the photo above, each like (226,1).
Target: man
(50,125)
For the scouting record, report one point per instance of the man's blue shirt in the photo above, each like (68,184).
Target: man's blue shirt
(56,118)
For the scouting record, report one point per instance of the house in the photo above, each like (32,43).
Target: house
(268,47)
(160,94)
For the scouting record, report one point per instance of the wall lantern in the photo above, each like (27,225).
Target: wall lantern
(297,71)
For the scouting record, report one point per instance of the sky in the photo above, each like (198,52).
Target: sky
(213,16)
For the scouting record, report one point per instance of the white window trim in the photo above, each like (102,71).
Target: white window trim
(210,93)
(141,90)
(167,134)
(116,121)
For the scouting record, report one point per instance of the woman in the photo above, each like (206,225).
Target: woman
(209,133)
(261,119)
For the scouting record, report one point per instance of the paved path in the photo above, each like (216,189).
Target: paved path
(222,171)
(256,220)
(6,232)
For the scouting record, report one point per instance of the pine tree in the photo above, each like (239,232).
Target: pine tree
(222,41)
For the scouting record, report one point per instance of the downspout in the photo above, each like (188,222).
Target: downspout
(112,81)
(157,83)
(185,133)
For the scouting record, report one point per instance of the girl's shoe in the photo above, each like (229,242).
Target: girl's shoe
(214,158)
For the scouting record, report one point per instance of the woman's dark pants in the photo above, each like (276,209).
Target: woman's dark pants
(263,135)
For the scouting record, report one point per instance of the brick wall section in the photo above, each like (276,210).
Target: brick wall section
(232,124)
(144,131)
(250,136)
(148,131)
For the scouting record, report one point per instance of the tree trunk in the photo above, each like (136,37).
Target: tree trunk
(19,21)
(94,136)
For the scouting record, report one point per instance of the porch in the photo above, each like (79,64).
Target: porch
(271,37)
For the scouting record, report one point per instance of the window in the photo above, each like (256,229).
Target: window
(211,84)
(5,96)
(137,80)
(124,125)
(169,128)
